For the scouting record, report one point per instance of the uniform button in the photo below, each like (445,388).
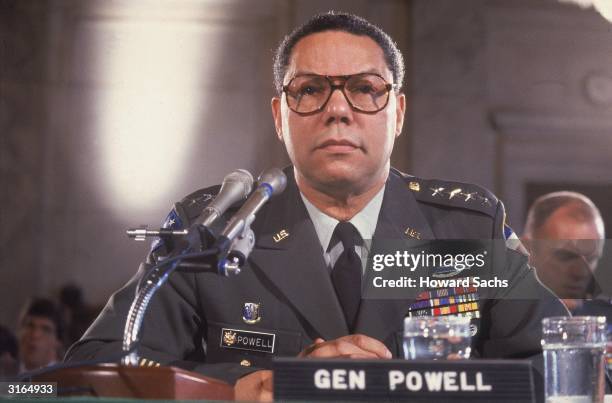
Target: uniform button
(245,363)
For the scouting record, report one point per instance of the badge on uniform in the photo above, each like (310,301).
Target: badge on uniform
(458,301)
(412,233)
(251,312)
(445,271)
(247,340)
(172,221)
(279,236)
(513,241)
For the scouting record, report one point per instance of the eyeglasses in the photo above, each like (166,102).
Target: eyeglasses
(309,93)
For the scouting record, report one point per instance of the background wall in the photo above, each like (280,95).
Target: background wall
(112,110)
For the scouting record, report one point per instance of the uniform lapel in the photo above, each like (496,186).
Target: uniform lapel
(289,255)
(400,214)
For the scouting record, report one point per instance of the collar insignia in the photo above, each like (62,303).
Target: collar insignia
(412,233)
(279,236)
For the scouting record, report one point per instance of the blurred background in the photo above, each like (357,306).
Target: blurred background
(112,110)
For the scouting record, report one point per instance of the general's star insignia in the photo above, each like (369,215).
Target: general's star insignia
(437,191)
(468,196)
(454,193)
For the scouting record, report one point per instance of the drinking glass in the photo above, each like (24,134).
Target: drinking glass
(574,358)
(437,337)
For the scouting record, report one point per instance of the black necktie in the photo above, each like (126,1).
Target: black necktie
(346,274)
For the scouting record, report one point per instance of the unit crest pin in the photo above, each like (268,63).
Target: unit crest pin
(251,312)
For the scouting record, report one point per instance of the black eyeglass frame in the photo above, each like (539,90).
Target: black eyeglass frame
(341,87)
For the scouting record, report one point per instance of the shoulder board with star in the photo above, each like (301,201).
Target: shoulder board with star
(452,194)
(192,205)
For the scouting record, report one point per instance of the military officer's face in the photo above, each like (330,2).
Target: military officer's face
(565,252)
(339,149)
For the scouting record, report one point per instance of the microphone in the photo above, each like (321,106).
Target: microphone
(236,186)
(237,240)
(271,182)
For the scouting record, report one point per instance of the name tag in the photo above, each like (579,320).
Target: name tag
(404,381)
(248,340)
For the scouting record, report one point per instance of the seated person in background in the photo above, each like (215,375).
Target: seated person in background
(8,354)
(338,110)
(564,233)
(40,334)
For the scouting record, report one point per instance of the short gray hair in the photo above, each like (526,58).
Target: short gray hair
(546,205)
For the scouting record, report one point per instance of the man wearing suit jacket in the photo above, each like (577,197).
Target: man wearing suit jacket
(338,111)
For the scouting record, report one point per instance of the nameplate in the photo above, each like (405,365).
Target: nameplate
(247,340)
(402,380)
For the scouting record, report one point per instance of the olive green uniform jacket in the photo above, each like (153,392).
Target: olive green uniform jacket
(287,276)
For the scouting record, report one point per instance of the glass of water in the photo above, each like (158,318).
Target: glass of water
(437,337)
(574,358)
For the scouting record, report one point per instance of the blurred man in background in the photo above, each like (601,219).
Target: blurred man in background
(40,334)
(564,233)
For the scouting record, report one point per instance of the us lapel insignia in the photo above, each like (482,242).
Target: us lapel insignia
(279,236)
(251,312)
(412,233)
(247,340)
(414,186)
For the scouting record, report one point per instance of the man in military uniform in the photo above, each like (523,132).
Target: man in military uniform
(338,111)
